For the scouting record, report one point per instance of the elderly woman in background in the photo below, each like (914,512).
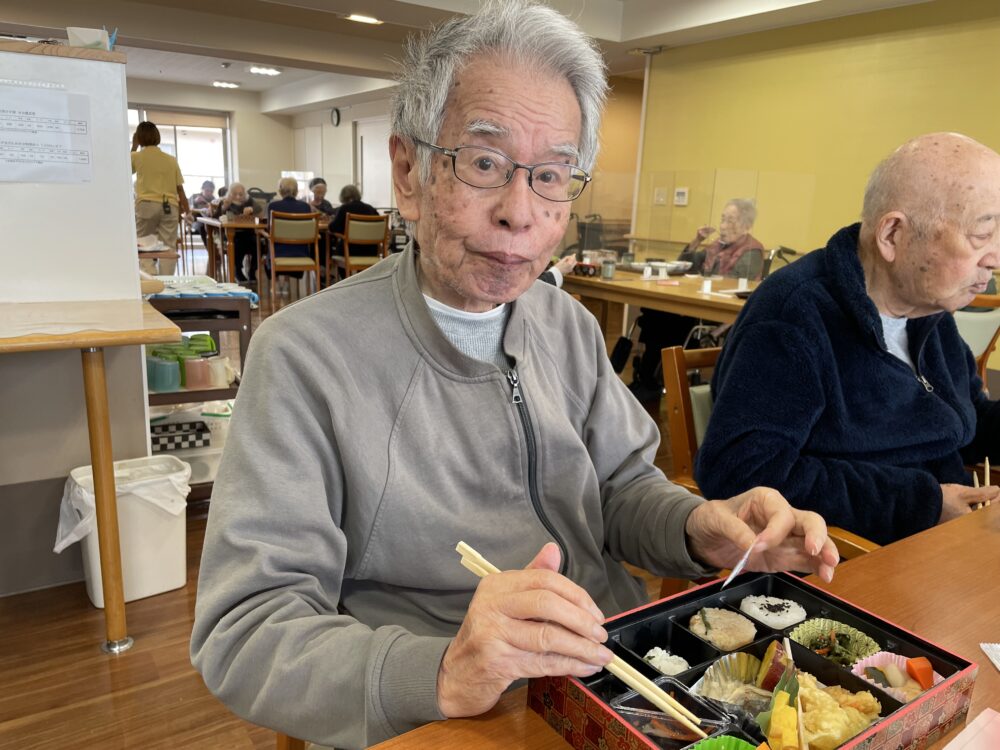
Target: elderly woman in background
(735,254)
(287,203)
(319,202)
(350,203)
(237,203)
(159,193)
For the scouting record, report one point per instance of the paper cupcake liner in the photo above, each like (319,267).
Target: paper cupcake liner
(724,743)
(880,660)
(862,645)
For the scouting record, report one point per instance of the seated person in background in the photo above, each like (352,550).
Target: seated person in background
(201,204)
(443,396)
(350,203)
(319,202)
(203,200)
(735,254)
(236,203)
(554,273)
(287,203)
(844,383)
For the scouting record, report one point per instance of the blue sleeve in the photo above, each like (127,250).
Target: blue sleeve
(770,392)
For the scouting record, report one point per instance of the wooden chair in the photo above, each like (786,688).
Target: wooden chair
(284,742)
(291,229)
(981,330)
(688,409)
(360,230)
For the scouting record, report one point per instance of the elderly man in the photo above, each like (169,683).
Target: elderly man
(735,254)
(844,383)
(443,396)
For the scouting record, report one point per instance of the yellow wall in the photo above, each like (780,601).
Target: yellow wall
(797,117)
(610,192)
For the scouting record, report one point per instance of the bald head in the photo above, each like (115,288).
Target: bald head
(930,179)
(930,231)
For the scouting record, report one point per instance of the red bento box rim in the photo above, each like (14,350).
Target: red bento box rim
(853,742)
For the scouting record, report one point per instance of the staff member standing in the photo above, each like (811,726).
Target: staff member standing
(159,193)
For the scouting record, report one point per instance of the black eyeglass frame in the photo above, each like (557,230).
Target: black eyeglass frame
(529,168)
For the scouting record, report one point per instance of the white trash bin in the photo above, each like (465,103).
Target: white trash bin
(152,525)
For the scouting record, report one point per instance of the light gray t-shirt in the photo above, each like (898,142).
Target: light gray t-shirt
(476,335)
(896,338)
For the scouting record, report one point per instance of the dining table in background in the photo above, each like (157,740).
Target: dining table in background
(607,298)
(229,227)
(90,327)
(937,584)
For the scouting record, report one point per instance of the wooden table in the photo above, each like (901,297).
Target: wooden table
(937,584)
(606,298)
(89,327)
(230,226)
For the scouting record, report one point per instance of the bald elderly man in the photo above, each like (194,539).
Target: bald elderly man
(844,384)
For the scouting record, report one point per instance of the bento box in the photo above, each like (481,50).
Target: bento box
(844,650)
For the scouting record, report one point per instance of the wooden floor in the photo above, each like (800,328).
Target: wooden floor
(58,690)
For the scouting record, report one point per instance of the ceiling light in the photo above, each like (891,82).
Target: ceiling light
(363,19)
(262,70)
(225,85)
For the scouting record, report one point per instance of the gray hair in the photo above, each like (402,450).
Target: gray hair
(288,187)
(349,193)
(746,209)
(522,31)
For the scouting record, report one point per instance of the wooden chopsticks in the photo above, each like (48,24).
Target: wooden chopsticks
(648,689)
(986,478)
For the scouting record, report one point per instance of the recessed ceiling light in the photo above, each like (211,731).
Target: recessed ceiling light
(363,19)
(262,70)
(225,85)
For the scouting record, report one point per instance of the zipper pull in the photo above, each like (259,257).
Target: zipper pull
(927,386)
(515,390)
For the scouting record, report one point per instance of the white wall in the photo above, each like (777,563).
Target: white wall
(263,145)
(338,163)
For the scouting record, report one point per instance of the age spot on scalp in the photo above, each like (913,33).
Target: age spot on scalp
(924,269)
(547,214)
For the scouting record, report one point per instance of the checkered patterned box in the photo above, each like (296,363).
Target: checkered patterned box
(580,709)
(171,437)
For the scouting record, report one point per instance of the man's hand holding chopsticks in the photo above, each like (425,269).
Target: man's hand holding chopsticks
(521,623)
(785,538)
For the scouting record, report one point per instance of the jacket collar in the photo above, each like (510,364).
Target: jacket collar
(843,265)
(427,337)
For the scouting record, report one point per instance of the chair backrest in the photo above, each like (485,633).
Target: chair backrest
(684,403)
(978,329)
(294,229)
(361,229)
(688,410)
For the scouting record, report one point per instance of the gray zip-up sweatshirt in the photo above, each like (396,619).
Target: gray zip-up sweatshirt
(363,447)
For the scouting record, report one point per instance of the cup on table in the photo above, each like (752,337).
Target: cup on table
(607,269)
(224,218)
(661,272)
(743,284)
(647,273)
(221,372)
(706,286)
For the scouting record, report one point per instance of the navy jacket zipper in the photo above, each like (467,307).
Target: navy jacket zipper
(517,399)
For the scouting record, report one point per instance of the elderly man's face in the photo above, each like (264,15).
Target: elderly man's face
(238,194)
(954,260)
(481,247)
(731,227)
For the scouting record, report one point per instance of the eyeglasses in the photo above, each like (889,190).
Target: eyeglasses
(483,167)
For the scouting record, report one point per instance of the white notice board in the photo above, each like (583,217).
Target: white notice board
(65,177)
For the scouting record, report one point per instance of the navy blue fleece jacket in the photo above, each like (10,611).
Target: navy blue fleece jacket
(809,401)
